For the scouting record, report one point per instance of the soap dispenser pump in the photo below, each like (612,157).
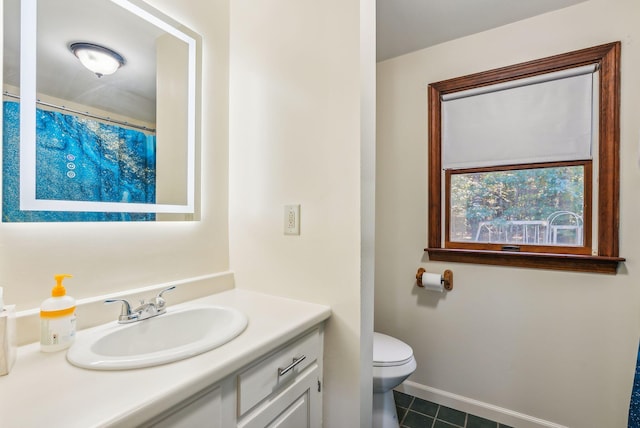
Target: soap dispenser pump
(57,318)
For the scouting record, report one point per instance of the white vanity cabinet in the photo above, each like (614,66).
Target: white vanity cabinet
(284,389)
(258,379)
(202,410)
(297,406)
(280,389)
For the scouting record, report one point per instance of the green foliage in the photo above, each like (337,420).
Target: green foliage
(514,195)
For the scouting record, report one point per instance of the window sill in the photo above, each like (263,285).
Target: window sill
(567,262)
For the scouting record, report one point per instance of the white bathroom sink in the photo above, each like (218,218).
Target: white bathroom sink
(173,336)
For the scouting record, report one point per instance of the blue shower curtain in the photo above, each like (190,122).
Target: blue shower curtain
(78,159)
(634,405)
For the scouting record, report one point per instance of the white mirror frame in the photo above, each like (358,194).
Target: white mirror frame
(28,199)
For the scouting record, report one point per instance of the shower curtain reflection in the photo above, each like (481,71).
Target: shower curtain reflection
(79,159)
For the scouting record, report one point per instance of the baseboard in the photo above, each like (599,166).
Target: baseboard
(475,407)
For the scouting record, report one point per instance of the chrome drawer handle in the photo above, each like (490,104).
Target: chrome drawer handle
(296,361)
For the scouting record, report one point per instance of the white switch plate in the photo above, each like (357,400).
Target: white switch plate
(292,219)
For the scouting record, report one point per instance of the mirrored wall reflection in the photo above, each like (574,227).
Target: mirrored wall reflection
(86,140)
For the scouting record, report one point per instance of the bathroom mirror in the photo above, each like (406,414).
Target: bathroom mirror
(82,145)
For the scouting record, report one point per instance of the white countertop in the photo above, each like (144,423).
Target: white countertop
(45,390)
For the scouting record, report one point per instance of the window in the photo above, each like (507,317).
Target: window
(521,159)
(512,207)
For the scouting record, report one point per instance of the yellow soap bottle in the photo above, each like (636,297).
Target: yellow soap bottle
(57,318)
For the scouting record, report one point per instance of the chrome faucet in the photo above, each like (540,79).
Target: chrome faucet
(154,307)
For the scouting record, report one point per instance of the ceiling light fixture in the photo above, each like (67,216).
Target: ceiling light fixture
(99,59)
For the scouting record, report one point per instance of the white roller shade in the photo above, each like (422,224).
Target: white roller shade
(544,118)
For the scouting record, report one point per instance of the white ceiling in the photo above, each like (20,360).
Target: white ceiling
(405,26)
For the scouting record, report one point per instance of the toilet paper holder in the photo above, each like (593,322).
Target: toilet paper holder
(446,278)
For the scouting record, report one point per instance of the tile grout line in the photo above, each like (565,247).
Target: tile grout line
(435,417)
(413,398)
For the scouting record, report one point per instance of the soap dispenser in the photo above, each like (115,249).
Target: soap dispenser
(57,318)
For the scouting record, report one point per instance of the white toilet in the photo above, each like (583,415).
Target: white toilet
(393,362)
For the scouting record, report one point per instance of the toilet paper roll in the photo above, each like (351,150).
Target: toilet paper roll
(432,282)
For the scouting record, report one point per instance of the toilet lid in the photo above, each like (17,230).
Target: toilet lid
(389,351)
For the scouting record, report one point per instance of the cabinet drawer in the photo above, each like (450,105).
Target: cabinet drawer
(269,375)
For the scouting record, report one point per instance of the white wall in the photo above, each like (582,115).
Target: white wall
(295,138)
(368,200)
(302,104)
(557,346)
(110,257)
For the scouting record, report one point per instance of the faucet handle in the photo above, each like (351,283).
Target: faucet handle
(159,300)
(125,312)
(165,290)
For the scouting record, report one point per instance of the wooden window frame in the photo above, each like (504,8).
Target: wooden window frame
(605,259)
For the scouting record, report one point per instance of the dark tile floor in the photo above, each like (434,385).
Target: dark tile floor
(414,412)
